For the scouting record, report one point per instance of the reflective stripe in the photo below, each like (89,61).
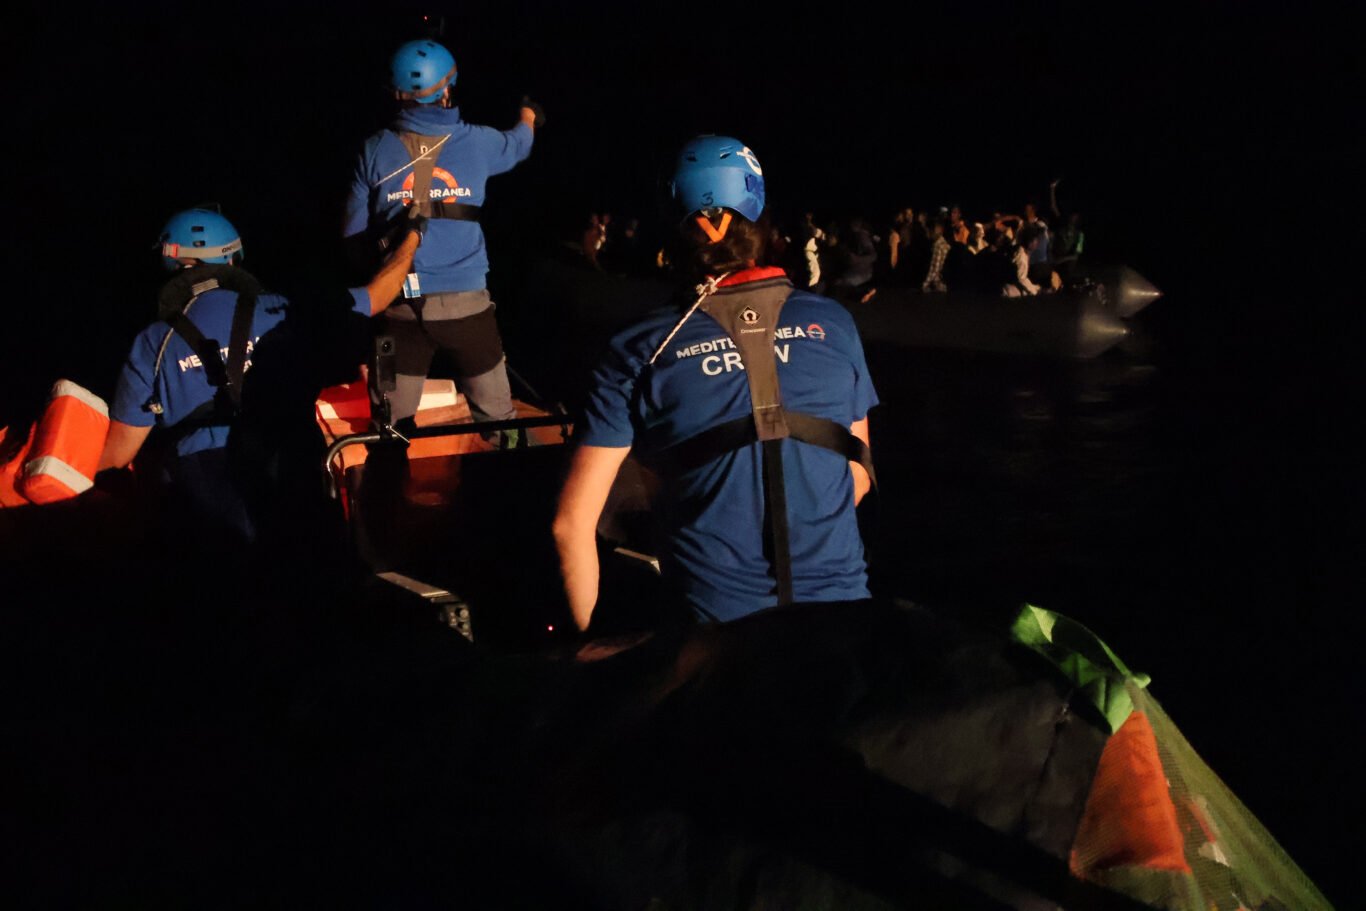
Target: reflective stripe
(80,394)
(180,251)
(55,468)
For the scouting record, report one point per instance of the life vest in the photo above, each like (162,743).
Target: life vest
(423,152)
(12,467)
(748,312)
(175,302)
(62,452)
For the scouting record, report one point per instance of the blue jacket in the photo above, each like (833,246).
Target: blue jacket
(452,256)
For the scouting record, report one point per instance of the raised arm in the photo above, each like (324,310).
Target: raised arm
(388,281)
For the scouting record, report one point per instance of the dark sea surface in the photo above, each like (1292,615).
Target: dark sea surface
(1190,495)
(1190,501)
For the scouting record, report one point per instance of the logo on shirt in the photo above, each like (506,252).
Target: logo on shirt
(815,331)
(447,194)
(194,363)
(749,316)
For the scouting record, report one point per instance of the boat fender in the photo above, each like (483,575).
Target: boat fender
(67,441)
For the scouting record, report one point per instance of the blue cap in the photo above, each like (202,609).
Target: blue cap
(200,234)
(420,70)
(719,172)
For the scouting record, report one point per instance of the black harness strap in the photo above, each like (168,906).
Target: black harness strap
(456,211)
(226,375)
(422,151)
(243,314)
(207,349)
(827,434)
(749,315)
(775,520)
(714,442)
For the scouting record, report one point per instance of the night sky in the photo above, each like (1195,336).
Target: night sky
(1169,130)
(1206,146)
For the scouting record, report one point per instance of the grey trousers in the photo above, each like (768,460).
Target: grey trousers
(461,323)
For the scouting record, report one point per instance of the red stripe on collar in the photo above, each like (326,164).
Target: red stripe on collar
(757,274)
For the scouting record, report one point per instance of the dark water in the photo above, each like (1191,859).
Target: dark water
(1197,513)
(1189,495)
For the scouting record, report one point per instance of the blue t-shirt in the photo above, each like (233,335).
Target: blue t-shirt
(452,255)
(713,515)
(181,382)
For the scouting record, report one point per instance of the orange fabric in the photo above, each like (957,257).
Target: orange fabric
(1130,819)
(434,462)
(716,233)
(9,472)
(756,274)
(72,431)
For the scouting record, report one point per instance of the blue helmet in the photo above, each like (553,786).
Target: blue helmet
(200,234)
(719,172)
(421,69)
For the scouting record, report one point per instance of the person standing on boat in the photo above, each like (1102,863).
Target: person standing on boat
(185,373)
(752,405)
(430,161)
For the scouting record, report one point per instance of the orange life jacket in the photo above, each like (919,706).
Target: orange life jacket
(11,470)
(64,446)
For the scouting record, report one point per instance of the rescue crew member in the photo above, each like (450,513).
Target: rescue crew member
(184,373)
(431,161)
(759,485)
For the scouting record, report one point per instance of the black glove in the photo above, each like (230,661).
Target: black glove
(417,223)
(539,111)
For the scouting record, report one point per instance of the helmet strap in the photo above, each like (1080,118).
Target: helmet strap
(180,251)
(716,233)
(434,90)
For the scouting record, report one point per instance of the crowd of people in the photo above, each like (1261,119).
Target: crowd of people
(930,251)
(1011,255)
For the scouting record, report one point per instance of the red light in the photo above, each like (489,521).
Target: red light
(550,628)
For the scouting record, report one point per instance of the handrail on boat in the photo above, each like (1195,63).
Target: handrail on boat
(438,430)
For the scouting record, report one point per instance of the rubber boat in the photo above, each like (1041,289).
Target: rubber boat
(1071,323)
